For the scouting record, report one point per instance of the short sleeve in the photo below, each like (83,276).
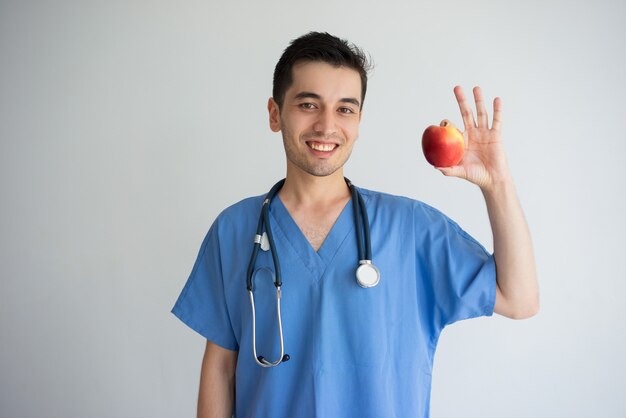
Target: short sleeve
(460,272)
(202,302)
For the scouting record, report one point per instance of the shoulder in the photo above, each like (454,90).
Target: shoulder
(421,214)
(249,206)
(236,220)
(386,201)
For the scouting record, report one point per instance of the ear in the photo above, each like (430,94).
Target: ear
(274,114)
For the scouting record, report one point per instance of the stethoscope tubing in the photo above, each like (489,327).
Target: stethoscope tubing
(260,360)
(264,221)
(361,218)
(363,274)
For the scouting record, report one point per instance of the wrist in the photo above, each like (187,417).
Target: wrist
(498,188)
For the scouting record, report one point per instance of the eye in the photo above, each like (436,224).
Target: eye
(346,110)
(307,105)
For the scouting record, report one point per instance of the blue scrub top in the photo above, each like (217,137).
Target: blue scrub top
(354,351)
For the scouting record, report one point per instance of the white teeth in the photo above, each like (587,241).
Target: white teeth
(322,147)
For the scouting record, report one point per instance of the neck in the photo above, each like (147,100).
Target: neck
(308,190)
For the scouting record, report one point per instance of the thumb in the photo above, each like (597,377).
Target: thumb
(454,171)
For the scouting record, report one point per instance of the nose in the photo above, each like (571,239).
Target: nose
(326,124)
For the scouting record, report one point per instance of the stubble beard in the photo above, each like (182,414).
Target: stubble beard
(318,168)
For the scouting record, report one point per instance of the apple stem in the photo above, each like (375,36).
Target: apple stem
(444,123)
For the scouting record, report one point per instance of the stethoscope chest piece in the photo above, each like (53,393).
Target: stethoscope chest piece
(367,274)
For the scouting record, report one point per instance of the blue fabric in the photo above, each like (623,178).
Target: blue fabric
(354,351)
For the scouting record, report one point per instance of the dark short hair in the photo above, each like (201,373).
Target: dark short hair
(318,46)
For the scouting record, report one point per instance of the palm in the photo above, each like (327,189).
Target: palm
(483,162)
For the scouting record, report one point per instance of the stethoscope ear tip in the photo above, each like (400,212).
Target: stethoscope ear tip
(263,361)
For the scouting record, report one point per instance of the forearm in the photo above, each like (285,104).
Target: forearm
(216,398)
(518,293)
(217,383)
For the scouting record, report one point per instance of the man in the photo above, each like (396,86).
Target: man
(353,351)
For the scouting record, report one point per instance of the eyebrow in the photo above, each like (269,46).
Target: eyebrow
(310,95)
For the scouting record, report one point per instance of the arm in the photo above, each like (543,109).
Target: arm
(517,293)
(484,164)
(217,382)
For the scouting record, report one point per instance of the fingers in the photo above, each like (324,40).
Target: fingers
(497,114)
(481,111)
(466,111)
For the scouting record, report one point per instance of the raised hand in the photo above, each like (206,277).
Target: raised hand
(484,162)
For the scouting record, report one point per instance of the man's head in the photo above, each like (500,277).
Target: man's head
(318,47)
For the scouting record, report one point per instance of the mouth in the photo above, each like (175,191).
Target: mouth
(323,147)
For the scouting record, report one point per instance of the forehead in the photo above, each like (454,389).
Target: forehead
(326,80)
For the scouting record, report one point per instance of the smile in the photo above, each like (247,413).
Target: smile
(318,146)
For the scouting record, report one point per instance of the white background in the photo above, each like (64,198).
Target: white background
(127,126)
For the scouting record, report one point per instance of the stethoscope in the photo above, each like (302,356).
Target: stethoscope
(367,274)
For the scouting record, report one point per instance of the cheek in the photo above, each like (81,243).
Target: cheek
(294,125)
(352,131)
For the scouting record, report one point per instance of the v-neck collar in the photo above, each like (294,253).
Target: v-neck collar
(316,262)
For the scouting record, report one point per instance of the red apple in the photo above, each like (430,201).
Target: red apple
(443,145)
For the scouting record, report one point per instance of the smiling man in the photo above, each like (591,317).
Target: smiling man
(346,346)
(319,118)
